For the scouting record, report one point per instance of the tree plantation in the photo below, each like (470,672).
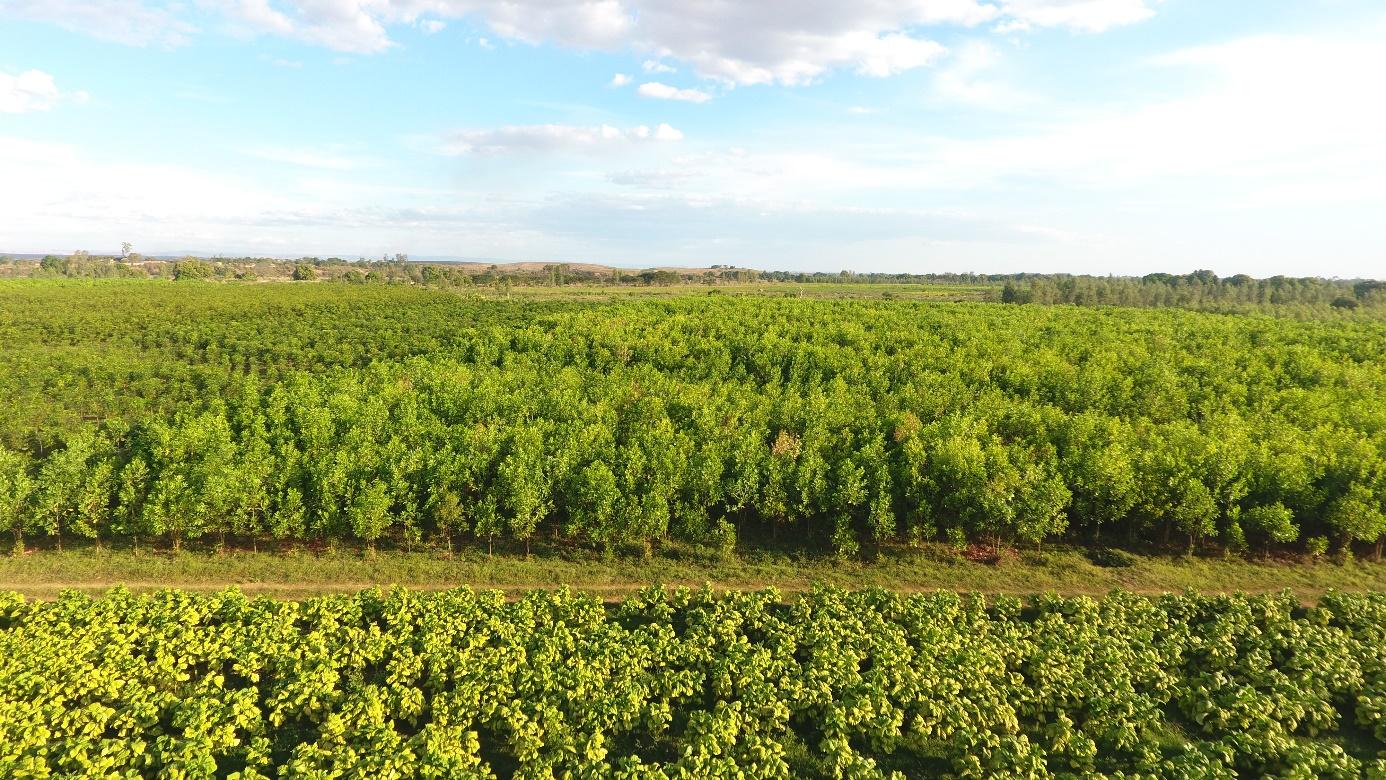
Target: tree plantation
(149,412)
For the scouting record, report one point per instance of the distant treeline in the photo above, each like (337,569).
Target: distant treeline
(334,412)
(386,270)
(1198,290)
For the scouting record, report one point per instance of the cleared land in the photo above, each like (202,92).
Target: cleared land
(306,573)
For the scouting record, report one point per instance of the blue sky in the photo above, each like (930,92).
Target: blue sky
(1092,136)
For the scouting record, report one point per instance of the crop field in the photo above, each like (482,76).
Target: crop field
(691,684)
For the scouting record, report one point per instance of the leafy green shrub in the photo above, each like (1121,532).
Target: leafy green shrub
(192,269)
(1316,546)
(1111,558)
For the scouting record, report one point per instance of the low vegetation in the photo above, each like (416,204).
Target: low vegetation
(297,572)
(691,684)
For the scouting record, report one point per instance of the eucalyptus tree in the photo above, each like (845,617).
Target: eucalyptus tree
(15,489)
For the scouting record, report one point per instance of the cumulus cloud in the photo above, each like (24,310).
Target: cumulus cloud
(896,53)
(619,80)
(547,139)
(654,89)
(31,90)
(259,15)
(769,41)
(797,41)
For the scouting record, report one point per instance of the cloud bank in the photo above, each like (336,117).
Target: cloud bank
(738,43)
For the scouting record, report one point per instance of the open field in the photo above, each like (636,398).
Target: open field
(305,573)
(904,292)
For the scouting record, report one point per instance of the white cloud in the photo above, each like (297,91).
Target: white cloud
(619,80)
(659,179)
(1011,26)
(896,53)
(798,41)
(971,77)
(259,15)
(32,90)
(664,132)
(654,89)
(547,139)
(432,26)
(769,41)
(1268,120)
(131,22)
(72,200)
(343,25)
(1255,111)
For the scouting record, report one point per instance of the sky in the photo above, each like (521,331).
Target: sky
(997,136)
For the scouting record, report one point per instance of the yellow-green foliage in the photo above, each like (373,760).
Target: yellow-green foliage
(689,684)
